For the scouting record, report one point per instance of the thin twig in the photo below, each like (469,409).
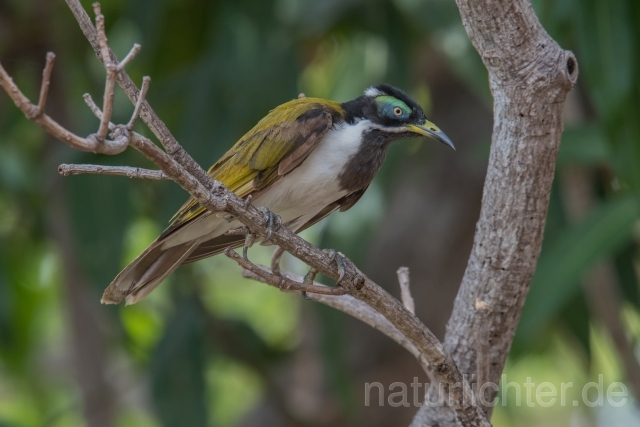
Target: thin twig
(88,144)
(95,109)
(111,67)
(147,114)
(128,171)
(275,260)
(46,80)
(132,54)
(405,289)
(141,98)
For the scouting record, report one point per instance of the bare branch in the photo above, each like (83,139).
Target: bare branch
(275,260)
(36,114)
(132,54)
(95,109)
(128,171)
(46,80)
(148,116)
(112,68)
(141,98)
(405,290)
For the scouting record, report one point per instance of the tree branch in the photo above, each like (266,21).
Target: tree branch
(92,143)
(405,289)
(148,116)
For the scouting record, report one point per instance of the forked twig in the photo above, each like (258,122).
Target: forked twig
(151,119)
(46,81)
(97,142)
(146,80)
(405,289)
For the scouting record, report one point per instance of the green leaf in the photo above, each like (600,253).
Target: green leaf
(564,262)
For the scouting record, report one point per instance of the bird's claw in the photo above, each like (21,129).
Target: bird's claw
(339,258)
(273,222)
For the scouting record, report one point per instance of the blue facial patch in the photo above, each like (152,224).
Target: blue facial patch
(393,108)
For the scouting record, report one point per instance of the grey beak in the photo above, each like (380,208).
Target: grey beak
(432,131)
(440,136)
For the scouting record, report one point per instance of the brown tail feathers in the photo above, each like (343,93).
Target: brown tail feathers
(146,272)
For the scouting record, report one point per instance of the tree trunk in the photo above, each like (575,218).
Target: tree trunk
(529,76)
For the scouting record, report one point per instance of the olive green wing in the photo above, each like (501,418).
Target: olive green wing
(274,147)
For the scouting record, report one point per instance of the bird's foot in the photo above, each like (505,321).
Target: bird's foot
(339,258)
(248,242)
(272,221)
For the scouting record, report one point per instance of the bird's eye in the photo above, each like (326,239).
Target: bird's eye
(397,111)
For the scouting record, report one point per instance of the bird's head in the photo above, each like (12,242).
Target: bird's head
(393,113)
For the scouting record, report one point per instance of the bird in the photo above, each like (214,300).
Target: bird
(306,159)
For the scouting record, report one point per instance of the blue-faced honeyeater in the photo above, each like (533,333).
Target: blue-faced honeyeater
(306,159)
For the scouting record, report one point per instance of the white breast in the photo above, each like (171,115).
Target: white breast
(314,184)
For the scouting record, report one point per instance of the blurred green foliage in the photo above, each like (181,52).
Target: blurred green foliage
(207,344)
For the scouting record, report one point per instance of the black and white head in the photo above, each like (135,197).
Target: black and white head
(393,115)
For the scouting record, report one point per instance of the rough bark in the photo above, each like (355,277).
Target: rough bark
(529,77)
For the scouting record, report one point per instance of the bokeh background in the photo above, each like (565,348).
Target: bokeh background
(209,348)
